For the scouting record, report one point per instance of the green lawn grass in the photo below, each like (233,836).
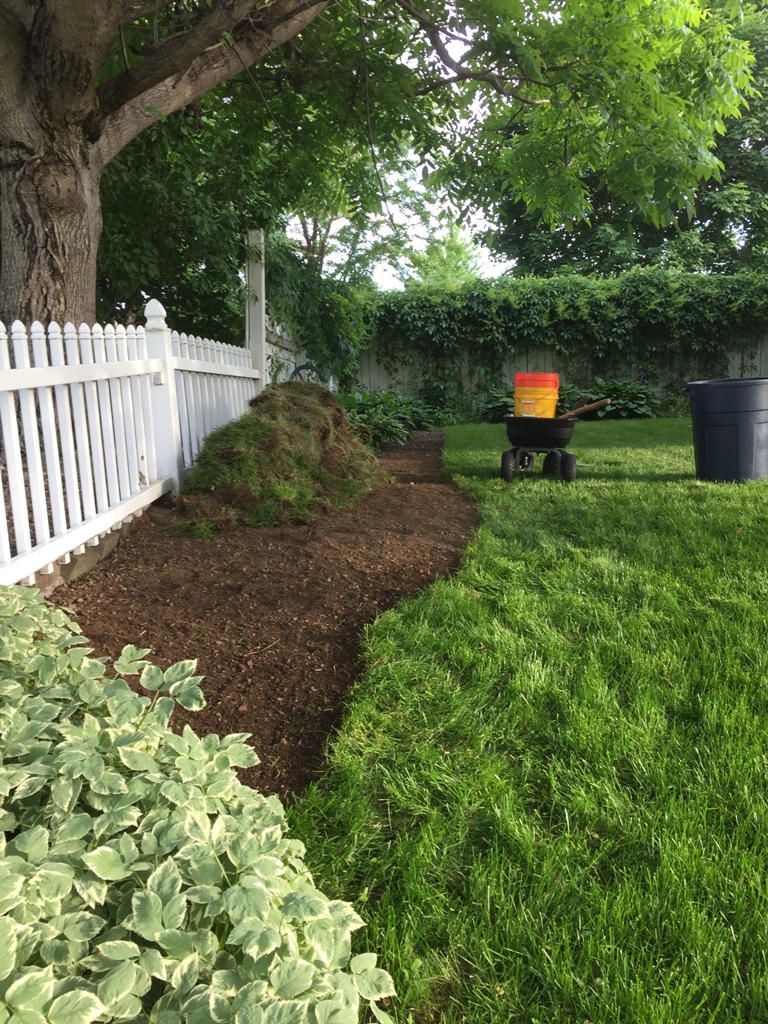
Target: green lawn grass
(549,795)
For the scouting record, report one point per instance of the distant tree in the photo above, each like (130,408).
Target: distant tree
(449,262)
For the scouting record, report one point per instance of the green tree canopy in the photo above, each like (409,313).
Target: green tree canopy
(725,230)
(520,97)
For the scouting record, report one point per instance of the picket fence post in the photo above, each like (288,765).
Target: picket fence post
(165,404)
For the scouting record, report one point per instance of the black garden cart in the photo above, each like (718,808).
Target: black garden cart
(533,435)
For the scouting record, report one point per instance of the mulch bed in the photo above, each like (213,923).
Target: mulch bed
(274,615)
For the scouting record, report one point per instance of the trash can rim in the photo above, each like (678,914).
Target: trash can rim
(728,381)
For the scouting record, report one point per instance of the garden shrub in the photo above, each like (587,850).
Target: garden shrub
(293,450)
(382,417)
(139,879)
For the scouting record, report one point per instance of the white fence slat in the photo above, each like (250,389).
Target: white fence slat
(118,417)
(128,414)
(107,422)
(180,351)
(80,423)
(145,385)
(14,465)
(66,433)
(5,540)
(31,439)
(95,432)
(137,406)
(197,424)
(50,434)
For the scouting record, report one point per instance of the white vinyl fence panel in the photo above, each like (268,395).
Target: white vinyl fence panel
(97,423)
(214,384)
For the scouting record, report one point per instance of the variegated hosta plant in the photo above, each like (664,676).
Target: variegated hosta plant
(139,879)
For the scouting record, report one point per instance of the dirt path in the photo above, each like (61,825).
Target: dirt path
(273,615)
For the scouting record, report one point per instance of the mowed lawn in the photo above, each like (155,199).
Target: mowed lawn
(549,798)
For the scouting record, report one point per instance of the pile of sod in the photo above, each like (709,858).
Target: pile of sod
(290,454)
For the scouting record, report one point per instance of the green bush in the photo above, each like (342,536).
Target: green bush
(630,399)
(139,879)
(383,417)
(675,326)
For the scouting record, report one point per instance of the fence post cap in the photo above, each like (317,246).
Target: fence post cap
(155,314)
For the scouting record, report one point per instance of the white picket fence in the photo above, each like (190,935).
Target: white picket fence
(97,423)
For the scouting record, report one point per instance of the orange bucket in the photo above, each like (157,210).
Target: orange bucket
(536,394)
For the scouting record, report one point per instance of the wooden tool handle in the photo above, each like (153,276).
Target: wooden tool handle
(584,408)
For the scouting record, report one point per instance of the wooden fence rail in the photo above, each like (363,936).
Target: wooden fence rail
(96,423)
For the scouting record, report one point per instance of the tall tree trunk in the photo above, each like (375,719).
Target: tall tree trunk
(50,224)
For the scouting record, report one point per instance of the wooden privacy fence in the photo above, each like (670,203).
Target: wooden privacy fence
(97,423)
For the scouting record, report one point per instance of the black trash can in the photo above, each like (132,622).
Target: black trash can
(730,428)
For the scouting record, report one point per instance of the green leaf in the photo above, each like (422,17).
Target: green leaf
(129,1007)
(176,792)
(152,962)
(130,662)
(180,671)
(185,976)
(81,926)
(107,863)
(54,880)
(10,892)
(76,1007)
(165,880)
(176,944)
(362,962)
(250,1014)
(110,783)
(32,991)
(27,1017)
(137,760)
(55,951)
(191,698)
(147,914)
(305,906)
(219,1007)
(120,949)
(374,984)
(33,844)
(286,1013)
(117,983)
(380,1015)
(74,828)
(152,678)
(175,912)
(330,1012)
(92,889)
(291,978)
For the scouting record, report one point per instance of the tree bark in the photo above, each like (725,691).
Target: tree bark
(50,224)
(59,129)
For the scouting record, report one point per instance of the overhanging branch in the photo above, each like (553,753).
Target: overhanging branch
(252,39)
(461,73)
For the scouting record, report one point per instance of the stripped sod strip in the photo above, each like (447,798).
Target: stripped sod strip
(549,796)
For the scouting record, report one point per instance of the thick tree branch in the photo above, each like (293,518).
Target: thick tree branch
(174,55)
(134,10)
(461,73)
(253,39)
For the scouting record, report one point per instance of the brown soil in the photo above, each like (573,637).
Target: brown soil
(274,615)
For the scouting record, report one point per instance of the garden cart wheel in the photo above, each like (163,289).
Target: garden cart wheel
(568,467)
(550,464)
(508,466)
